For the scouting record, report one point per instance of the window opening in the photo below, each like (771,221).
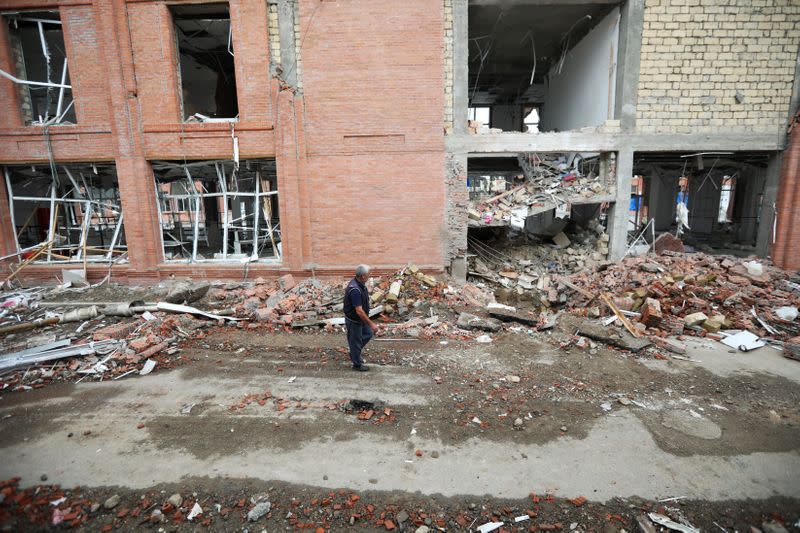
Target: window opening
(41,70)
(66,214)
(726,197)
(206,59)
(559,58)
(212,211)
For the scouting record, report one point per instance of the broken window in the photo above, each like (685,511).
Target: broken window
(63,213)
(559,59)
(712,200)
(40,64)
(205,56)
(214,211)
(726,196)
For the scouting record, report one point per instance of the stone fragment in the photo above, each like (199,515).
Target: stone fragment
(286,282)
(186,292)
(112,502)
(714,324)
(470,321)
(651,312)
(561,240)
(394,291)
(668,242)
(176,500)
(401,517)
(671,345)
(695,319)
(261,509)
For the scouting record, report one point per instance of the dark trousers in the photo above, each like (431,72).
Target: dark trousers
(358,335)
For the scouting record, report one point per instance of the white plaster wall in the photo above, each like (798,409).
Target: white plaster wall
(583,93)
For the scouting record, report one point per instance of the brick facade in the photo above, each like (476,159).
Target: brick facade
(359,140)
(698,56)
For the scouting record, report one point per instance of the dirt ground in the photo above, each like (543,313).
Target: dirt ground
(442,433)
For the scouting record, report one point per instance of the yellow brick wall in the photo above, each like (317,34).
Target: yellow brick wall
(699,55)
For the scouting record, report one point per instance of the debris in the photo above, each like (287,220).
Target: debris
(260,509)
(521,518)
(196,510)
(695,319)
(743,341)
(175,308)
(668,242)
(791,348)
(470,321)
(512,316)
(485,339)
(611,336)
(15,360)
(112,502)
(490,526)
(148,367)
(788,313)
(665,521)
(186,292)
(561,240)
(175,500)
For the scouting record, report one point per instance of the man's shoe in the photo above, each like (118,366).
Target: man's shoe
(361,368)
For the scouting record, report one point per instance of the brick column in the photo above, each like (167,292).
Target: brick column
(134,173)
(786,250)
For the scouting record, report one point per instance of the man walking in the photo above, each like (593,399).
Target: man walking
(356,316)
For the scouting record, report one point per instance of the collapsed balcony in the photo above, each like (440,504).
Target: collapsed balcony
(505,192)
(218,210)
(41,72)
(66,213)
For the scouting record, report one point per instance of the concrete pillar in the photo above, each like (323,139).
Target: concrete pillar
(618,215)
(460,66)
(628,60)
(768,204)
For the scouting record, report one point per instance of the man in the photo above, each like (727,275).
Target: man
(356,317)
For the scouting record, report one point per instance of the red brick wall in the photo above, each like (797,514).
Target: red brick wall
(786,250)
(374,100)
(366,131)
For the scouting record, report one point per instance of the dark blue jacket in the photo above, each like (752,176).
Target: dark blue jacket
(349,296)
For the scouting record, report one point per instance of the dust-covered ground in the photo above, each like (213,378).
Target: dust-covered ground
(442,433)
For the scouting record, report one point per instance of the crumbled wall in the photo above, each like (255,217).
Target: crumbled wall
(274,38)
(448,66)
(700,56)
(456,218)
(298,45)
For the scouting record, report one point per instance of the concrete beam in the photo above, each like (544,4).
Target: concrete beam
(768,203)
(705,142)
(511,143)
(618,214)
(286,35)
(539,2)
(460,66)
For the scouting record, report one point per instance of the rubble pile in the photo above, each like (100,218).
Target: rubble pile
(528,265)
(693,294)
(550,181)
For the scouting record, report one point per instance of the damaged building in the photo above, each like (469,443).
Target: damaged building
(508,140)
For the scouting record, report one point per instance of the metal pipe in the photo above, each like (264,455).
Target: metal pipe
(11,206)
(61,89)
(256,210)
(224,189)
(27,82)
